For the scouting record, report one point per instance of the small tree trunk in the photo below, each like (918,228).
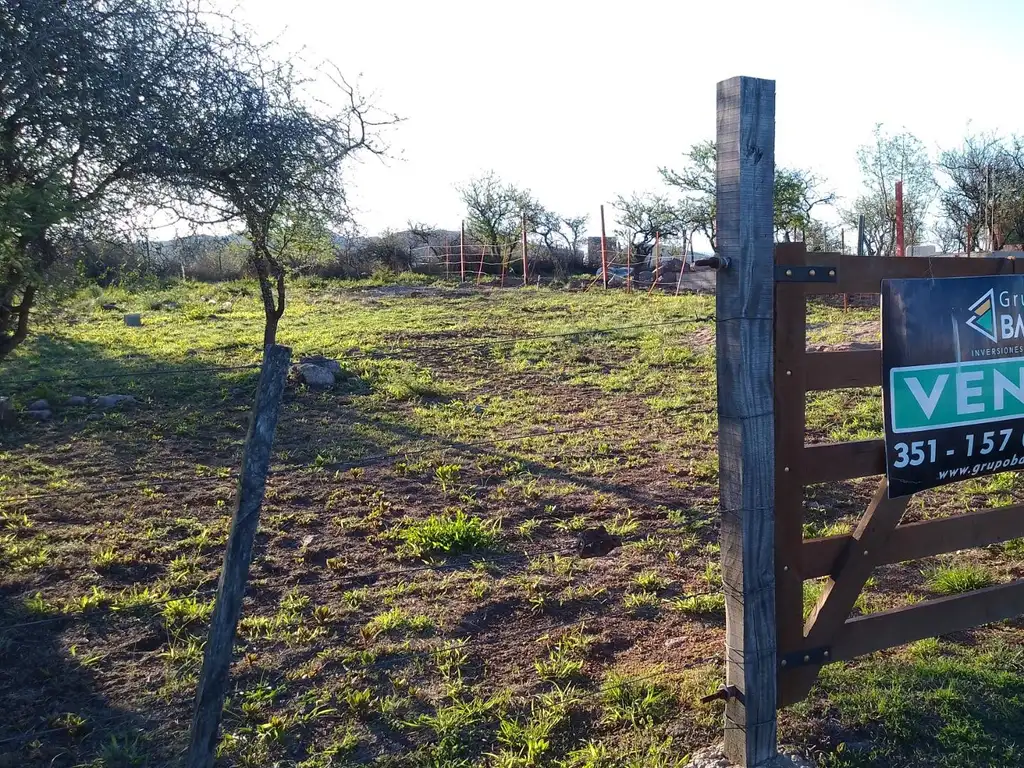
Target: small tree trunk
(14,322)
(272,288)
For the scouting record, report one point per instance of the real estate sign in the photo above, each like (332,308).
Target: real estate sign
(953,379)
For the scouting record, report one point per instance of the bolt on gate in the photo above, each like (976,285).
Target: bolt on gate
(765,371)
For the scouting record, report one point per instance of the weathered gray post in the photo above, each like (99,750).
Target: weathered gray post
(213,679)
(746,419)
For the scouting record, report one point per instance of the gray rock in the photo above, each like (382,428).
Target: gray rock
(39,405)
(712,757)
(315,376)
(112,401)
(8,418)
(76,401)
(324,362)
(41,415)
(133,321)
(94,417)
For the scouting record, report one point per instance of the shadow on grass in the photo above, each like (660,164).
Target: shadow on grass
(53,712)
(174,397)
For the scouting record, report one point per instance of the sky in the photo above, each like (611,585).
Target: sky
(582,101)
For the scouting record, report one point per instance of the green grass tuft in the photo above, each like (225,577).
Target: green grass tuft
(449,534)
(955,579)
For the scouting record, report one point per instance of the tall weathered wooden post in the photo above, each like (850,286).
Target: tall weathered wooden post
(746,422)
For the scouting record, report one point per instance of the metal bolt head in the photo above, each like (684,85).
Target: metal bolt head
(811,273)
(789,273)
(831,273)
(806,659)
(783,663)
(789,373)
(785,568)
(785,469)
(865,553)
(825,654)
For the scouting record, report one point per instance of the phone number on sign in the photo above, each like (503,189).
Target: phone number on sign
(919,452)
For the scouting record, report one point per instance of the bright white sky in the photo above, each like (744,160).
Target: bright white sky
(581,101)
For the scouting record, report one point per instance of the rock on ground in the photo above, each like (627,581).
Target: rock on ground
(323,362)
(112,401)
(314,375)
(40,414)
(39,405)
(712,757)
(76,401)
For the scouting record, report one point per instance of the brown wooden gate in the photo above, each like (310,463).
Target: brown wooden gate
(830,634)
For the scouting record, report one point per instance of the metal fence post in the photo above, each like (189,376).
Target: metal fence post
(746,419)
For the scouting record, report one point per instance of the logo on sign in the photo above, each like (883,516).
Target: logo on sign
(983,315)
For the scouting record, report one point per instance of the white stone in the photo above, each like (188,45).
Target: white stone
(315,376)
(324,362)
(713,757)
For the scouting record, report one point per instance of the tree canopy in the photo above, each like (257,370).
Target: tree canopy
(109,109)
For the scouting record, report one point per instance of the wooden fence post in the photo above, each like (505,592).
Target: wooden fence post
(213,679)
(746,419)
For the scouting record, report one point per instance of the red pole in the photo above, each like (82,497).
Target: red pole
(900,244)
(604,252)
(525,267)
(462,251)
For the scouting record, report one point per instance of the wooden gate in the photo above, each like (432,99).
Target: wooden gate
(829,633)
(764,372)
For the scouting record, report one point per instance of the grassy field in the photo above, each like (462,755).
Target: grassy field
(416,599)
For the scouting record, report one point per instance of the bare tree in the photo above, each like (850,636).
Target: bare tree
(796,193)
(644,217)
(263,149)
(495,211)
(887,159)
(985,191)
(562,237)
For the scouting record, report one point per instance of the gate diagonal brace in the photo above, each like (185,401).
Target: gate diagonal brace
(806,658)
(799,273)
